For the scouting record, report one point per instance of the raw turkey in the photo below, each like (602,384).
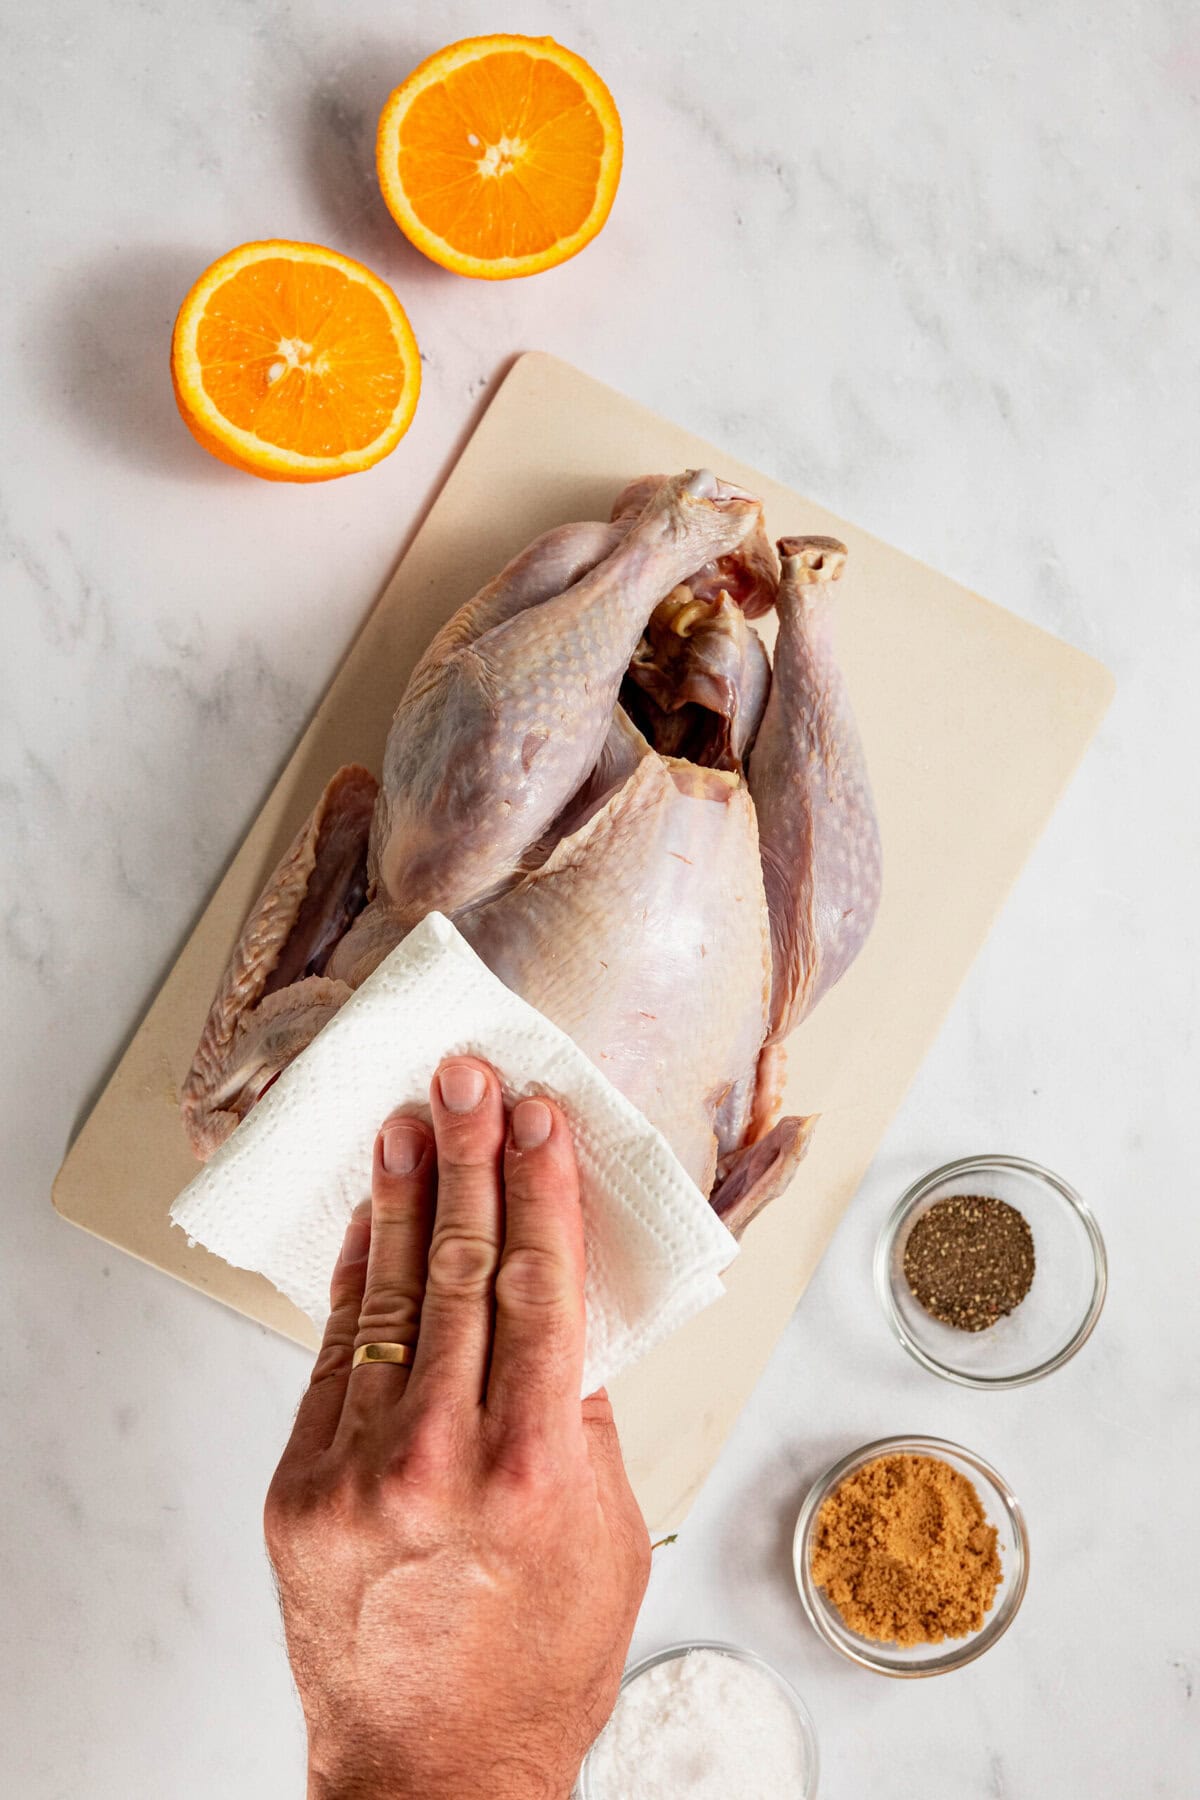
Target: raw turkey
(658,838)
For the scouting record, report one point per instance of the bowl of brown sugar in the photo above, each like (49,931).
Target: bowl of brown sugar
(911,1556)
(991,1271)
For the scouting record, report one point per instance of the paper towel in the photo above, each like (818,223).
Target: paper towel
(278,1193)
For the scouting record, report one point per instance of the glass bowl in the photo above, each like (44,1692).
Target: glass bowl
(1058,1313)
(588,1787)
(1003,1510)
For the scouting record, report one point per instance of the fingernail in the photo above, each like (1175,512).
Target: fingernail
(357,1241)
(461,1087)
(403,1148)
(532,1123)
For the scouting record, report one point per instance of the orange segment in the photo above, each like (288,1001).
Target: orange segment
(295,363)
(500,156)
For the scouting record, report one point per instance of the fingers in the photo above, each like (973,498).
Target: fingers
(537,1353)
(485,1280)
(604,1447)
(617,1497)
(456,1320)
(321,1408)
(402,1202)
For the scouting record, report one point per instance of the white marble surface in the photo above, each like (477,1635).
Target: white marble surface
(936,264)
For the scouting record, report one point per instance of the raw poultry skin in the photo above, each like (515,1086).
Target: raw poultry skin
(644,935)
(676,893)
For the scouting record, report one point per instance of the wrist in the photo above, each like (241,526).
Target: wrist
(334,1773)
(460,1787)
(382,1777)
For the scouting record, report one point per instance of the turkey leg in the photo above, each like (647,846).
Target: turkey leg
(816,820)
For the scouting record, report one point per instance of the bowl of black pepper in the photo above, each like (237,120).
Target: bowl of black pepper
(991,1271)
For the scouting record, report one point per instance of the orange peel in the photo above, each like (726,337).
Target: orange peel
(294,363)
(500,156)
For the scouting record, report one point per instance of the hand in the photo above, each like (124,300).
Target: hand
(459,1555)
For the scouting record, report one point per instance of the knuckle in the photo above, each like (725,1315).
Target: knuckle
(466,1186)
(598,1413)
(291,1512)
(469,1151)
(531,1278)
(350,1494)
(529,1187)
(461,1263)
(395,1198)
(522,1473)
(529,1457)
(344,1288)
(540,1173)
(277,1518)
(470,1138)
(389,1315)
(433,1446)
(333,1359)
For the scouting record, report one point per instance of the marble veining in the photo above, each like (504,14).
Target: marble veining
(936,266)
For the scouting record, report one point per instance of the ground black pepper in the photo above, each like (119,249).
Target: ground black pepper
(969,1260)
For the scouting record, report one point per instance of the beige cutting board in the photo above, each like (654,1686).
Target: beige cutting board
(973,723)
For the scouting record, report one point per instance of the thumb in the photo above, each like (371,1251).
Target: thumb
(600,1430)
(617,1497)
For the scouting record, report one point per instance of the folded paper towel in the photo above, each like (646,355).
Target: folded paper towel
(277,1194)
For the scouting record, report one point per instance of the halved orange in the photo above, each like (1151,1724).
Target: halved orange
(500,156)
(294,363)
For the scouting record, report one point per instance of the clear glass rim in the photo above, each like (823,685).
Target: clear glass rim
(817,1608)
(808,1730)
(912,1197)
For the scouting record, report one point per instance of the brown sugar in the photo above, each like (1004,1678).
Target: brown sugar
(905,1553)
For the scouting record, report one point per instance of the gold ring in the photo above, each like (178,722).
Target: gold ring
(383,1353)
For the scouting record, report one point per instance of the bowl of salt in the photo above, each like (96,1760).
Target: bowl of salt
(701,1721)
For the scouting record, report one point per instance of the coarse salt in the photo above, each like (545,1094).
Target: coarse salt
(702,1726)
